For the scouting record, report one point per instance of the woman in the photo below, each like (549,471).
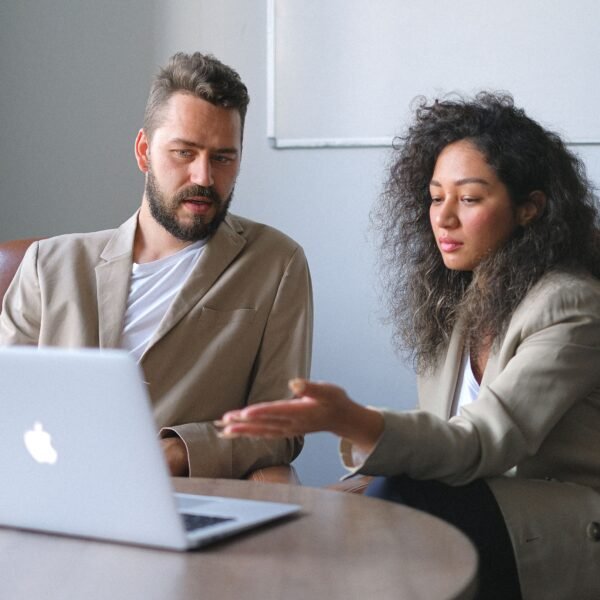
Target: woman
(492,254)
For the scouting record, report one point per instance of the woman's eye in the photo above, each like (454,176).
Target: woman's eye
(469,199)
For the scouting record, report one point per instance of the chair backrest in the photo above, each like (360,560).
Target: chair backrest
(11,255)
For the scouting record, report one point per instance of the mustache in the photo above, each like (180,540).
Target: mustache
(198,190)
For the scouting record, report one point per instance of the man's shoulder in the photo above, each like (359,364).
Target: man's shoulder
(74,239)
(115,241)
(67,243)
(256,233)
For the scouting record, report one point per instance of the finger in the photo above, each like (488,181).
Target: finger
(258,430)
(297,386)
(279,409)
(231,416)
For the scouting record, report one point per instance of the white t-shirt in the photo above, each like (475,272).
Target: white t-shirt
(152,288)
(467,388)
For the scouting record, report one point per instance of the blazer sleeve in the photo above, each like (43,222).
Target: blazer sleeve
(552,353)
(284,352)
(21,309)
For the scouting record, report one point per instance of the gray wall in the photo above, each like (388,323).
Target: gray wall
(74,80)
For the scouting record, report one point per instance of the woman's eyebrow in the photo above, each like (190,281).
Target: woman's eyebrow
(462,181)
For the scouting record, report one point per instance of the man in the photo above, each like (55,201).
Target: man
(216,308)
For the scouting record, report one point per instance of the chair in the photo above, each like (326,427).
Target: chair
(11,255)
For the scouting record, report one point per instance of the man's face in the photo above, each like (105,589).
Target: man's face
(191,164)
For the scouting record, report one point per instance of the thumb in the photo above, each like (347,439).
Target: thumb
(312,389)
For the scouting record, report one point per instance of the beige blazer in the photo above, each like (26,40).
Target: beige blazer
(239,328)
(533,433)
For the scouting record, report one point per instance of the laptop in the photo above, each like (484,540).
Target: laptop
(79,455)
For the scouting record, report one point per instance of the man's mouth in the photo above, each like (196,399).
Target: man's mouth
(198,200)
(198,205)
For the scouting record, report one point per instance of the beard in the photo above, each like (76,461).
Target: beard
(164,210)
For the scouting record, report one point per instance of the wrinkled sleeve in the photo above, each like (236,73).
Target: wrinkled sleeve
(21,308)
(555,366)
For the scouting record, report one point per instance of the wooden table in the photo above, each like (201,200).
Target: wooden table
(340,546)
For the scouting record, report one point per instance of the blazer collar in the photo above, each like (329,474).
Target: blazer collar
(112,281)
(113,274)
(219,252)
(450,370)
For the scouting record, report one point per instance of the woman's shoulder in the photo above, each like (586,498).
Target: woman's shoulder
(563,293)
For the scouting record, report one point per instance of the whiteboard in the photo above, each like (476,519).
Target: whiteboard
(345,72)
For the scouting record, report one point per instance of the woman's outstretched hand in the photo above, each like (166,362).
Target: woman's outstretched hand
(315,407)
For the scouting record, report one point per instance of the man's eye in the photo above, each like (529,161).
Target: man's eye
(220,158)
(183,153)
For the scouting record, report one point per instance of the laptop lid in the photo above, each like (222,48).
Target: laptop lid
(79,455)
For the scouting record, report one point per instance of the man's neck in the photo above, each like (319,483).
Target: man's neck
(152,240)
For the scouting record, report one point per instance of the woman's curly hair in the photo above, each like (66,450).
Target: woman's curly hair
(425,298)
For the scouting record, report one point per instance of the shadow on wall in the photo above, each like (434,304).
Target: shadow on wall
(75,78)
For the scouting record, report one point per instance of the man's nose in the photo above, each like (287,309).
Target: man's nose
(201,172)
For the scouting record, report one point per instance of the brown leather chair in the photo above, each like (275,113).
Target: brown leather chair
(11,254)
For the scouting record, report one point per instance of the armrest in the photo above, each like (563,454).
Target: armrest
(278,474)
(354,485)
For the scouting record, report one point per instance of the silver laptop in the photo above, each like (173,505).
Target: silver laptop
(79,455)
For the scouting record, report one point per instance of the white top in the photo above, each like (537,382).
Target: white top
(467,388)
(152,288)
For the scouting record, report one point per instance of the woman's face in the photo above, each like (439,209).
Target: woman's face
(471,212)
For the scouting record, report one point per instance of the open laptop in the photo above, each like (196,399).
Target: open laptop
(79,455)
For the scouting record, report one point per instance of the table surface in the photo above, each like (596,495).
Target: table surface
(341,545)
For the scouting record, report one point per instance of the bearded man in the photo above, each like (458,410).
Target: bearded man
(217,309)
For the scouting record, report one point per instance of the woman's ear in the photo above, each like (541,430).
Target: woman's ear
(532,208)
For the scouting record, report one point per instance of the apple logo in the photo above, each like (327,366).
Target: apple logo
(39,444)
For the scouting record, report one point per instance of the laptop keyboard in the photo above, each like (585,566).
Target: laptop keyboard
(193,522)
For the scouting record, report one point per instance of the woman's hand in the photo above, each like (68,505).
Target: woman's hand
(315,407)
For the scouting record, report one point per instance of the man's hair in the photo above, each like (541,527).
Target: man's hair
(201,75)
(425,298)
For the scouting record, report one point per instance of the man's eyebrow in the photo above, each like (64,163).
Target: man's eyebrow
(462,181)
(191,144)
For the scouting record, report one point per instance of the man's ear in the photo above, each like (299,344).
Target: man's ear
(532,208)
(142,150)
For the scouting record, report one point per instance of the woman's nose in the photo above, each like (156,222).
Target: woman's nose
(446,214)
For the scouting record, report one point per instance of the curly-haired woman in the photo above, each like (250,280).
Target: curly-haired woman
(491,254)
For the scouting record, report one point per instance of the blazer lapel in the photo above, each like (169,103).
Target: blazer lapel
(112,280)
(450,371)
(217,255)
(436,392)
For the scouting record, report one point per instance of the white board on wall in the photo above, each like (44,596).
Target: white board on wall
(345,72)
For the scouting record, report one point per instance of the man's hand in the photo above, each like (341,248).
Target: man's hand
(176,455)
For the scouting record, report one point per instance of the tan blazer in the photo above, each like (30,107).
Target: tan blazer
(239,328)
(533,433)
